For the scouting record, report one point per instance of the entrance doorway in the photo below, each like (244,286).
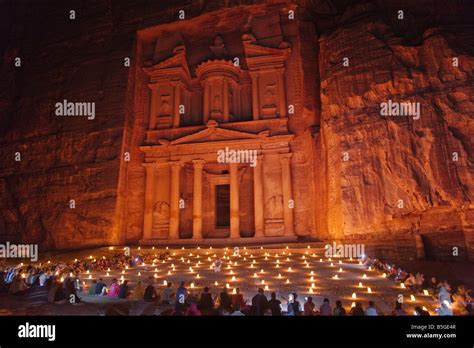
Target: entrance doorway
(222,206)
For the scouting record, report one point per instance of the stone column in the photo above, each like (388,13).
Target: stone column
(197,199)
(205,115)
(234,201)
(177,102)
(258,197)
(281,92)
(148,208)
(285,160)
(255,101)
(153,101)
(174,200)
(225,102)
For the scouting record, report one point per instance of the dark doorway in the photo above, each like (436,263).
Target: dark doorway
(222,205)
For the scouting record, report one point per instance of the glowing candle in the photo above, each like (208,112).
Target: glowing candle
(360,285)
(289,269)
(312,273)
(354,296)
(412,298)
(108,274)
(90,276)
(234,291)
(169,272)
(425,292)
(340,269)
(192,285)
(233,278)
(88,272)
(369,290)
(312,285)
(123,272)
(255,275)
(261,271)
(287,281)
(335,277)
(198,276)
(165,282)
(384,275)
(310,290)
(266,287)
(402,285)
(216,283)
(332,265)
(155,275)
(121,278)
(353,304)
(227,285)
(340,261)
(263,282)
(364,276)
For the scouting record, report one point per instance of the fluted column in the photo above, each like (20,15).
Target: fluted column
(206,103)
(226,99)
(258,197)
(287,193)
(153,102)
(177,102)
(197,198)
(174,200)
(255,101)
(234,201)
(148,207)
(281,92)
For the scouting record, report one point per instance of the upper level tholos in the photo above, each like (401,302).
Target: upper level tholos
(220,89)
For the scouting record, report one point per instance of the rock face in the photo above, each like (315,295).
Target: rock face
(394,178)
(401,185)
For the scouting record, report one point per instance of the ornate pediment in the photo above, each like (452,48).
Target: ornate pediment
(214,133)
(173,67)
(258,56)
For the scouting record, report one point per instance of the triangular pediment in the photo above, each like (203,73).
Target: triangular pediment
(175,63)
(213,133)
(253,50)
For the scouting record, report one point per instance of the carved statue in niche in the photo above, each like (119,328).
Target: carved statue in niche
(216,103)
(218,48)
(161,215)
(274,208)
(269,107)
(269,97)
(165,109)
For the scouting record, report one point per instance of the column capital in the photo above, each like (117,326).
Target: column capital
(280,70)
(285,157)
(175,164)
(153,86)
(198,163)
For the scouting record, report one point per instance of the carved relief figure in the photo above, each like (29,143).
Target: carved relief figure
(165,109)
(274,207)
(161,214)
(269,98)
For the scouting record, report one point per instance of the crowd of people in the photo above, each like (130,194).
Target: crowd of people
(60,283)
(449,300)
